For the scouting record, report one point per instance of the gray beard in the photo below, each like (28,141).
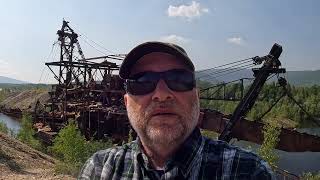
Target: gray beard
(164,136)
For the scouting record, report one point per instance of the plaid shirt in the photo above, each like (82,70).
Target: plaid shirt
(198,158)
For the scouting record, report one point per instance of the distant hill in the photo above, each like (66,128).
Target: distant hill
(303,78)
(297,78)
(7,80)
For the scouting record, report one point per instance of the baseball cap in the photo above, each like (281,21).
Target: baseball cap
(149,47)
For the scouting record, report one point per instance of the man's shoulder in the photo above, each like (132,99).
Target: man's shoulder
(233,154)
(220,147)
(102,163)
(234,161)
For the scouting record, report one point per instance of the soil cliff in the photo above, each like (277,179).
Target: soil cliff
(19,161)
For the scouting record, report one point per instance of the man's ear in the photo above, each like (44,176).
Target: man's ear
(125,98)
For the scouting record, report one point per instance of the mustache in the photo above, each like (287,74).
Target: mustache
(169,104)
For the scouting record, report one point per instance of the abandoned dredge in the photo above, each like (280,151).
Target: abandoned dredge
(91,92)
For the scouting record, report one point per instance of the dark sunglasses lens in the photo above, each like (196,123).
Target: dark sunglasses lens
(177,80)
(180,80)
(142,83)
(140,88)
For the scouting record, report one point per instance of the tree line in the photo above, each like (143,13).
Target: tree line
(286,110)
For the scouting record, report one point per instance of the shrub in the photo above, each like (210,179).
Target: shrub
(311,176)
(26,132)
(3,127)
(73,150)
(70,145)
(271,132)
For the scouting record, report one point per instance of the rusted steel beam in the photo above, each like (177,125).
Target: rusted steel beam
(290,140)
(92,65)
(104,57)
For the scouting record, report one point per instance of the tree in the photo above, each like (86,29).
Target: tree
(26,132)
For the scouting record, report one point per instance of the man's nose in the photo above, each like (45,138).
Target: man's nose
(162,92)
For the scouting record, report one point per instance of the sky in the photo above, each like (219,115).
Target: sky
(212,32)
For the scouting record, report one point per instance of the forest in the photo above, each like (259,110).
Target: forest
(286,110)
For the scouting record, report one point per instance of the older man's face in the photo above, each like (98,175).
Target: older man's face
(163,116)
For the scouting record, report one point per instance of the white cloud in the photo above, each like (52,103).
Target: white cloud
(187,11)
(236,40)
(174,39)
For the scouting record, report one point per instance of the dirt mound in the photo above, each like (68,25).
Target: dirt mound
(19,161)
(25,100)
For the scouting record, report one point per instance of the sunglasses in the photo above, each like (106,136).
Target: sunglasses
(143,83)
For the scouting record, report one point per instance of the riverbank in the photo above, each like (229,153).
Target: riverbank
(12,123)
(19,161)
(30,101)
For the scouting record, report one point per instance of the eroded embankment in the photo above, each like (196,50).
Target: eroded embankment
(26,101)
(20,161)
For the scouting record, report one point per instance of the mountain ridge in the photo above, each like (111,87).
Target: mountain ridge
(8,80)
(297,78)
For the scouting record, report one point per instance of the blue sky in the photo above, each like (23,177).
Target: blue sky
(213,32)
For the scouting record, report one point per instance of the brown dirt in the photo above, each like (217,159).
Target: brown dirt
(19,161)
(25,100)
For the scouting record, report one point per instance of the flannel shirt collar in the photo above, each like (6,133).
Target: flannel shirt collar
(189,153)
(186,157)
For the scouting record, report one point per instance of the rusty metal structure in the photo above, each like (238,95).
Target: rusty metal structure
(236,126)
(89,92)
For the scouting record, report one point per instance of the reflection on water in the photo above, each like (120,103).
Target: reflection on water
(312,131)
(11,123)
(294,162)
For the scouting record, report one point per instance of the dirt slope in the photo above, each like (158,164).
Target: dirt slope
(19,161)
(25,100)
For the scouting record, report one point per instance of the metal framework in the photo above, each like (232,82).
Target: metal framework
(87,91)
(97,105)
(221,92)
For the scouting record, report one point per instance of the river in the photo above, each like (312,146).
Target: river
(11,122)
(296,163)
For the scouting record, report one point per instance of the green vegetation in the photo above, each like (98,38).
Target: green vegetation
(284,114)
(210,134)
(311,176)
(7,89)
(73,150)
(285,109)
(21,87)
(271,132)
(3,128)
(3,94)
(26,133)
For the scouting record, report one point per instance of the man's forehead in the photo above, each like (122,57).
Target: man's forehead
(158,61)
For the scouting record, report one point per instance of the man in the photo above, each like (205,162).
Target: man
(162,102)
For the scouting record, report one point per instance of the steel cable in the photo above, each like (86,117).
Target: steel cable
(227,71)
(238,65)
(247,59)
(82,34)
(93,46)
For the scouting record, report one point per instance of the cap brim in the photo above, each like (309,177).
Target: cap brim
(146,48)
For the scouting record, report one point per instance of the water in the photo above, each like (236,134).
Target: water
(294,162)
(11,122)
(297,162)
